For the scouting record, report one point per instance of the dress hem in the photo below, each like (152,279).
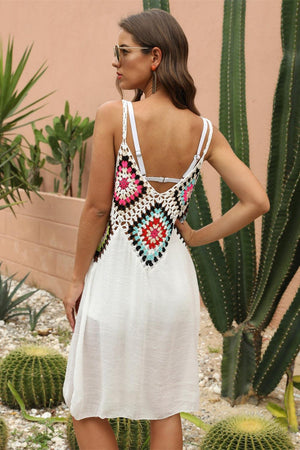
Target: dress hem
(140,417)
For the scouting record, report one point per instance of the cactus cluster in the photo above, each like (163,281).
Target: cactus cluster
(130,434)
(3,434)
(247,432)
(37,373)
(240,297)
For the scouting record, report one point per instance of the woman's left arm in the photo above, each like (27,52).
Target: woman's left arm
(95,213)
(253,200)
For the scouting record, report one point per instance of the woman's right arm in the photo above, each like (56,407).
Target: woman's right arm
(97,205)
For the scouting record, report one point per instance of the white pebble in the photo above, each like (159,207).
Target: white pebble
(216,389)
(46,415)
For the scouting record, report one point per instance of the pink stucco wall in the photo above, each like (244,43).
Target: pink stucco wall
(75,38)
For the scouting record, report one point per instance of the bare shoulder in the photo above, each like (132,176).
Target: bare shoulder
(219,145)
(109,112)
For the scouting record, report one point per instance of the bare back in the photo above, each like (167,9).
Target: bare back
(168,137)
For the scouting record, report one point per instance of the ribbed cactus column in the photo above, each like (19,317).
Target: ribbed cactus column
(160,4)
(227,280)
(239,248)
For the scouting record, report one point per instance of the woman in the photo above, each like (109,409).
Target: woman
(134,348)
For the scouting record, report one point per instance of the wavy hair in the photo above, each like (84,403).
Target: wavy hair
(157,28)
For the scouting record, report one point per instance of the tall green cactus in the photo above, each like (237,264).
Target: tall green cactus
(230,284)
(161,4)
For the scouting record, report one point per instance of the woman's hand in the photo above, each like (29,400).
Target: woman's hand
(186,232)
(72,300)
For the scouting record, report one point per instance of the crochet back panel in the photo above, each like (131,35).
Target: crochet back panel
(146,216)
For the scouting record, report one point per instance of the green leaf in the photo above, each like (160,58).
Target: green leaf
(196,421)
(276,410)
(67,109)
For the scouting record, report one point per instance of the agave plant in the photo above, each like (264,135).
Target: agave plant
(13,115)
(231,286)
(9,304)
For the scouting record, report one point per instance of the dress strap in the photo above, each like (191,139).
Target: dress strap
(136,139)
(124,127)
(206,124)
(210,132)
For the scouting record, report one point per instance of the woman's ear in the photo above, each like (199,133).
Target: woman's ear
(156,56)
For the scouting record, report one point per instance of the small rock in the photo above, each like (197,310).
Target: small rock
(44,331)
(46,415)
(2,323)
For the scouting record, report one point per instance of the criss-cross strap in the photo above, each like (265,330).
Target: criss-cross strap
(136,139)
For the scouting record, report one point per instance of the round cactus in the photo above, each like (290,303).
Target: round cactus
(37,373)
(71,435)
(245,432)
(3,434)
(130,434)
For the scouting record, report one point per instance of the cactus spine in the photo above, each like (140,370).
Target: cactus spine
(245,433)
(3,434)
(230,286)
(130,434)
(37,373)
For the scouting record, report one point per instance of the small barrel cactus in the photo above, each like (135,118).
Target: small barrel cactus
(37,373)
(3,434)
(246,432)
(130,434)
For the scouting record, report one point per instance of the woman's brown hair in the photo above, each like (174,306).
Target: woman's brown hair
(157,28)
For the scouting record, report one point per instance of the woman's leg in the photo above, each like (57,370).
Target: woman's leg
(94,433)
(166,434)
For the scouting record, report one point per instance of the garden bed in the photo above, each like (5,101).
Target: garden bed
(29,435)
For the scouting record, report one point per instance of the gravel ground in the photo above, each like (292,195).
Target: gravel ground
(30,435)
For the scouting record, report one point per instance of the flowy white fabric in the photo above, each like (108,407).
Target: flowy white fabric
(134,352)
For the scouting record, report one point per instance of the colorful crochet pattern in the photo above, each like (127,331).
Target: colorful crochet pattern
(150,233)
(128,184)
(146,216)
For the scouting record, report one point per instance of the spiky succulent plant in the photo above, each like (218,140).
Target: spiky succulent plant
(37,373)
(247,432)
(130,434)
(3,434)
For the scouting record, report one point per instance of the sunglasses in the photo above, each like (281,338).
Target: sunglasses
(118,49)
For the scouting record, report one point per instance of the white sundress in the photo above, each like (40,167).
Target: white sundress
(134,352)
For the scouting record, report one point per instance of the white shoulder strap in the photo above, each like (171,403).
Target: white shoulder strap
(206,124)
(208,140)
(136,139)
